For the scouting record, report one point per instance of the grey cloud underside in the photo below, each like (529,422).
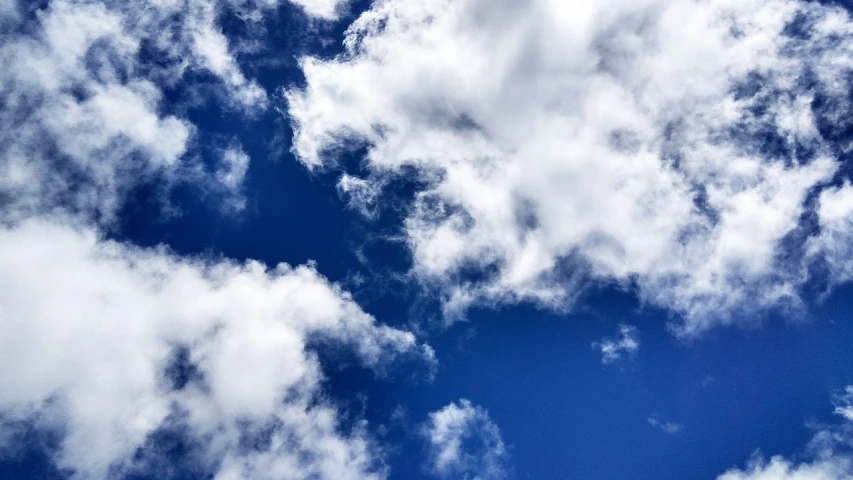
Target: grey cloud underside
(686,149)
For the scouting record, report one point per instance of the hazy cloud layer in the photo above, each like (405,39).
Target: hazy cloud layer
(673,146)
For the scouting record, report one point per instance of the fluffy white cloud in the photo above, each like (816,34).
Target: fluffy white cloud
(89,329)
(833,245)
(82,116)
(464,443)
(613,349)
(830,449)
(107,345)
(71,132)
(779,468)
(325,9)
(668,145)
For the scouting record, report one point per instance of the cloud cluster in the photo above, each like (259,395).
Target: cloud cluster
(106,346)
(671,146)
(325,9)
(464,443)
(82,116)
(90,330)
(830,450)
(613,349)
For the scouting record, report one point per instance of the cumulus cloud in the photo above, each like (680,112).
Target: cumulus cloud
(829,449)
(90,329)
(325,9)
(781,469)
(464,443)
(665,145)
(613,349)
(83,117)
(105,345)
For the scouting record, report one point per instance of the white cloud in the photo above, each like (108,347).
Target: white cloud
(88,329)
(669,145)
(666,427)
(83,117)
(361,194)
(74,135)
(325,9)
(612,349)
(91,328)
(844,404)
(210,46)
(779,468)
(464,443)
(829,450)
(231,175)
(833,245)
(8,11)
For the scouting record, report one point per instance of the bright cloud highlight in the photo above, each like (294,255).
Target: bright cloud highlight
(671,146)
(91,327)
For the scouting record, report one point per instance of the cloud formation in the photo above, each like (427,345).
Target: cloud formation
(325,9)
(464,443)
(90,329)
(671,146)
(105,345)
(829,449)
(82,118)
(613,349)
(666,427)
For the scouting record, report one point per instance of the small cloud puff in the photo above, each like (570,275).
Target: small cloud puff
(667,427)
(613,349)
(464,443)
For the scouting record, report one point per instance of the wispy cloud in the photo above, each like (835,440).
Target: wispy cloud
(94,329)
(667,427)
(625,345)
(844,403)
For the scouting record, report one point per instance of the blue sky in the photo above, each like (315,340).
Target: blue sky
(450,239)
